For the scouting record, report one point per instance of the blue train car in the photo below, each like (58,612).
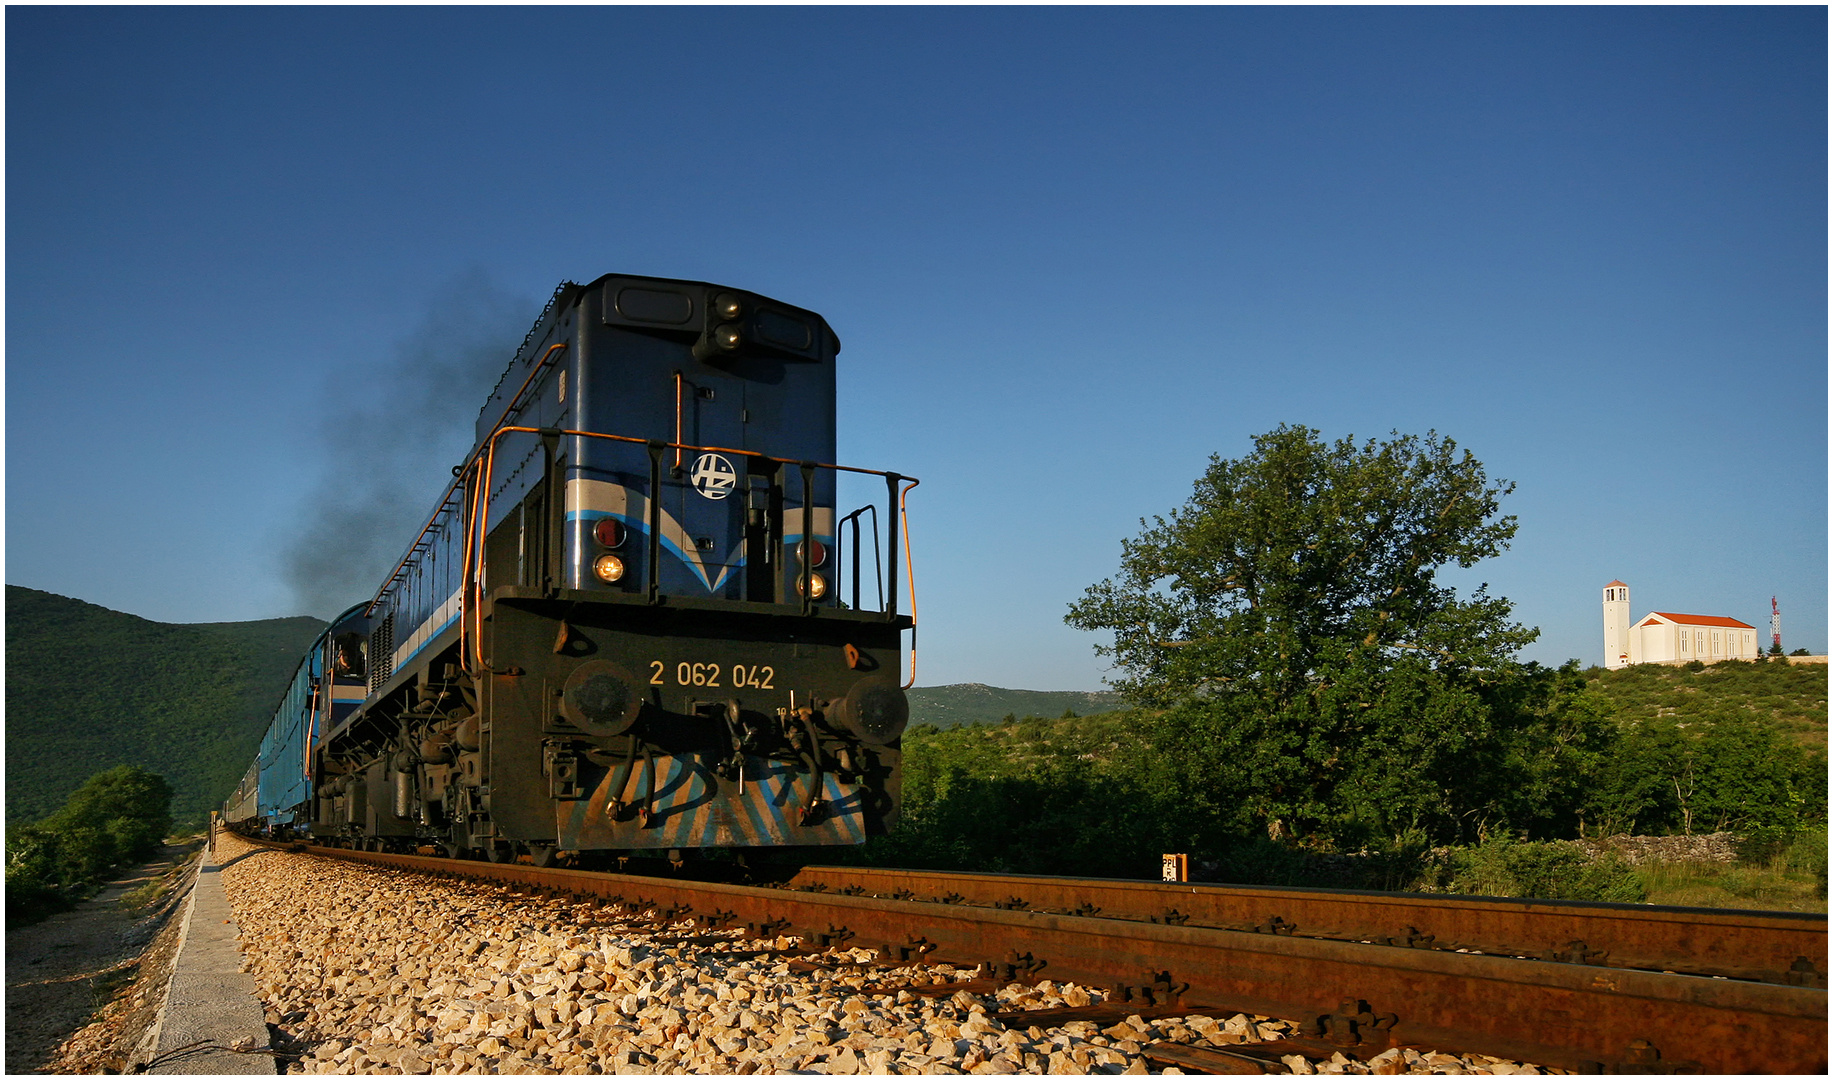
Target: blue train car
(239,808)
(285,784)
(277,793)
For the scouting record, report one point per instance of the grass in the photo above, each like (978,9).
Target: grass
(1721,885)
(146,895)
(1792,879)
(1791,698)
(156,888)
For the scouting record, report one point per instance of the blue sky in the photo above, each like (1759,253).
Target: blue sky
(1071,253)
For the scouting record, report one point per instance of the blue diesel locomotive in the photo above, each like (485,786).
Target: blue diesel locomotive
(635,621)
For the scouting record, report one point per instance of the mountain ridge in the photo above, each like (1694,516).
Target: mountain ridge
(89,688)
(956,704)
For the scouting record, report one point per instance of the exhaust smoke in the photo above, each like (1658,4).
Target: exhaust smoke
(392,433)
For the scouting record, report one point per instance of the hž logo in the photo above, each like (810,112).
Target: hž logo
(713,476)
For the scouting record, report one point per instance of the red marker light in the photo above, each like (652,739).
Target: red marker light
(609,532)
(812,548)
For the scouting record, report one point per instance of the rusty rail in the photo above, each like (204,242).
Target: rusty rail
(1763,946)
(1365,996)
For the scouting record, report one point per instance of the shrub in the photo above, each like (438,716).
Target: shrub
(1264,862)
(1806,854)
(116,817)
(1552,870)
(33,861)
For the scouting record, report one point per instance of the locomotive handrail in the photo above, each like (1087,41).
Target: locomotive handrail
(909,572)
(878,568)
(482,468)
(458,476)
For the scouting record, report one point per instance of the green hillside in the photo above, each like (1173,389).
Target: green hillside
(1651,751)
(1790,699)
(977,703)
(88,689)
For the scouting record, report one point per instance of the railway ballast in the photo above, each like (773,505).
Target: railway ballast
(373,969)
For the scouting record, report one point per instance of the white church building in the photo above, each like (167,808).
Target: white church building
(1666,637)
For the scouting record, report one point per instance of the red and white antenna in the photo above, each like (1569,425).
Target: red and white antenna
(1775,624)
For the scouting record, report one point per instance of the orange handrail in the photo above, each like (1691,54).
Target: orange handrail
(679,379)
(459,478)
(312,724)
(903,512)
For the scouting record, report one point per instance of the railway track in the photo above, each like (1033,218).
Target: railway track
(1587,987)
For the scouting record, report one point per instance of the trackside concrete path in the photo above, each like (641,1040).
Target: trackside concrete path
(211,1017)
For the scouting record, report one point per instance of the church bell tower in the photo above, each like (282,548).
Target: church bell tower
(1617,652)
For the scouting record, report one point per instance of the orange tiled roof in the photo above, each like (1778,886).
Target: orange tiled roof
(1616,584)
(1696,620)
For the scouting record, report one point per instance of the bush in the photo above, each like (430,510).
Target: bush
(1397,864)
(1425,762)
(1785,851)
(1553,870)
(33,862)
(1808,855)
(1263,862)
(1707,772)
(117,817)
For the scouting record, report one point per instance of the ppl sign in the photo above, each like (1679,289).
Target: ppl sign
(1176,867)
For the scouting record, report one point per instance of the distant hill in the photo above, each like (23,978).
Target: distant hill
(88,689)
(1790,697)
(978,703)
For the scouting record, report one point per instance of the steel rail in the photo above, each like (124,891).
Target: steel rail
(1571,1016)
(1764,946)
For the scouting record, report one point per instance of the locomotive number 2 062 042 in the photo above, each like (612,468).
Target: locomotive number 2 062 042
(687,673)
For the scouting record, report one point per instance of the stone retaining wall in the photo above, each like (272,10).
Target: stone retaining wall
(1713,847)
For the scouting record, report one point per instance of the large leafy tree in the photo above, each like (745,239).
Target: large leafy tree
(117,816)
(1328,685)
(1304,558)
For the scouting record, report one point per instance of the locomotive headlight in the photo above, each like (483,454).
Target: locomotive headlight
(727,308)
(817,586)
(728,338)
(609,532)
(609,568)
(812,551)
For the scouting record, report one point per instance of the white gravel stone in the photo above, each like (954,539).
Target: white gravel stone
(382,971)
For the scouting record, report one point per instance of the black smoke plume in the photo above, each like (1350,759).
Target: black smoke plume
(392,433)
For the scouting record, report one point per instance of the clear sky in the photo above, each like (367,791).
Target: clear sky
(1071,253)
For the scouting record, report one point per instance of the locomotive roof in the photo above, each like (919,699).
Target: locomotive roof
(567,293)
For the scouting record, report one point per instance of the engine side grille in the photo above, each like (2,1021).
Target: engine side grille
(381,653)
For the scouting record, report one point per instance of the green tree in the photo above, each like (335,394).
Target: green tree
(33,873)
(1327,683)
(1646,785)
(1302,558)
(117,816)
(1555,736)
